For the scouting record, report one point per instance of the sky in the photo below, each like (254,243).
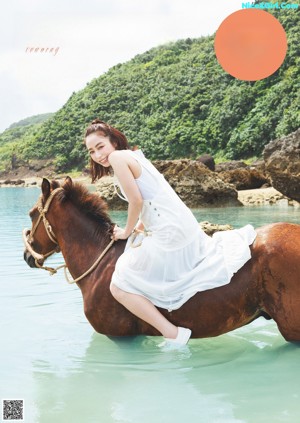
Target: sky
(87,37)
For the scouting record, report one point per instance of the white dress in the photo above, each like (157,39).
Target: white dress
(177,259)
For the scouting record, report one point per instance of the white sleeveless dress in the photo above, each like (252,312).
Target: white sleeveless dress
(177,259)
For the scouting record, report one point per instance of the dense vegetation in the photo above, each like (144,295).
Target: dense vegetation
(173,101)
(18,135)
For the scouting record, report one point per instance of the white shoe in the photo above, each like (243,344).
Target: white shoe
(182,338)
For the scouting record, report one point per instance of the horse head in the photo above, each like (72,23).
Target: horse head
(61,208)
(40,241)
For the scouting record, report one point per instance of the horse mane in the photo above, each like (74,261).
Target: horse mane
(91,204)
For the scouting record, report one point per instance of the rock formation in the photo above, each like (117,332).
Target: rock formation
(210,228)
(195,184)
(244,178)
(232,165)
(282,160)
(106,190)
(208,161)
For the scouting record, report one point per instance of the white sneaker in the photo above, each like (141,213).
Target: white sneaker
(182,338)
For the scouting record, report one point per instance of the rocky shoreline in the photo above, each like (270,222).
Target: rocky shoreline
(249,197)
(202,183)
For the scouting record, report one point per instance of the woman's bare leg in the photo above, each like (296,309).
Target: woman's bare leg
(145,310)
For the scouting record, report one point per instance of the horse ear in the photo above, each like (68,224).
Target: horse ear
(68,181)
(46,187)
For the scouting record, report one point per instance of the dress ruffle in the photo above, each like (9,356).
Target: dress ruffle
(235,247)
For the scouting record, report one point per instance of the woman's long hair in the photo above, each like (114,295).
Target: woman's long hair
(116,137)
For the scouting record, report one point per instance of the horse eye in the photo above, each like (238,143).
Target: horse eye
(31,213)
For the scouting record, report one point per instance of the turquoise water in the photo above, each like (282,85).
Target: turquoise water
(65,372)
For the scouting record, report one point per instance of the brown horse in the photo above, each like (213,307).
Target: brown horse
(76,221)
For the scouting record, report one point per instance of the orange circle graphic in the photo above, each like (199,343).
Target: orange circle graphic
(250,44)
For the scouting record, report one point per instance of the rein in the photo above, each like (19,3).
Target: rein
(28,239)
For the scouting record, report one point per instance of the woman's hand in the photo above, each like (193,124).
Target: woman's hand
(119,233)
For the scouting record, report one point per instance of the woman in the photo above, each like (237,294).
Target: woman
(168,258)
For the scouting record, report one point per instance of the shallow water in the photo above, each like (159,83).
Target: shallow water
(65,372)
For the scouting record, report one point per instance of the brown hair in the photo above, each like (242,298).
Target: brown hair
(116,137)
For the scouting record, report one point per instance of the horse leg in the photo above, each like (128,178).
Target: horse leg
(281,298)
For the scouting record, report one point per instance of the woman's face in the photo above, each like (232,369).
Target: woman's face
(99,147)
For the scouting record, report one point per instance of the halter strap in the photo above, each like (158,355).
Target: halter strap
(42,211)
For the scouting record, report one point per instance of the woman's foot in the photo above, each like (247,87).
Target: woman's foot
(182,338)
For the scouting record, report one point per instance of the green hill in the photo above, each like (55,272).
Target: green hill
(32,120)
(175,101)
(18,130)
(18,134)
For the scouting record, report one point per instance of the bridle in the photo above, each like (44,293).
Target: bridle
(28,235)
(28,240)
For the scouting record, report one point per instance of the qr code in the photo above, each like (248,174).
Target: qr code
(13,409)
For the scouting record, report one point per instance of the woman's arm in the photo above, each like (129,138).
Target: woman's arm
(140,226)
(119,163)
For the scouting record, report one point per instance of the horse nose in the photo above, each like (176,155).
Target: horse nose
(29,259)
